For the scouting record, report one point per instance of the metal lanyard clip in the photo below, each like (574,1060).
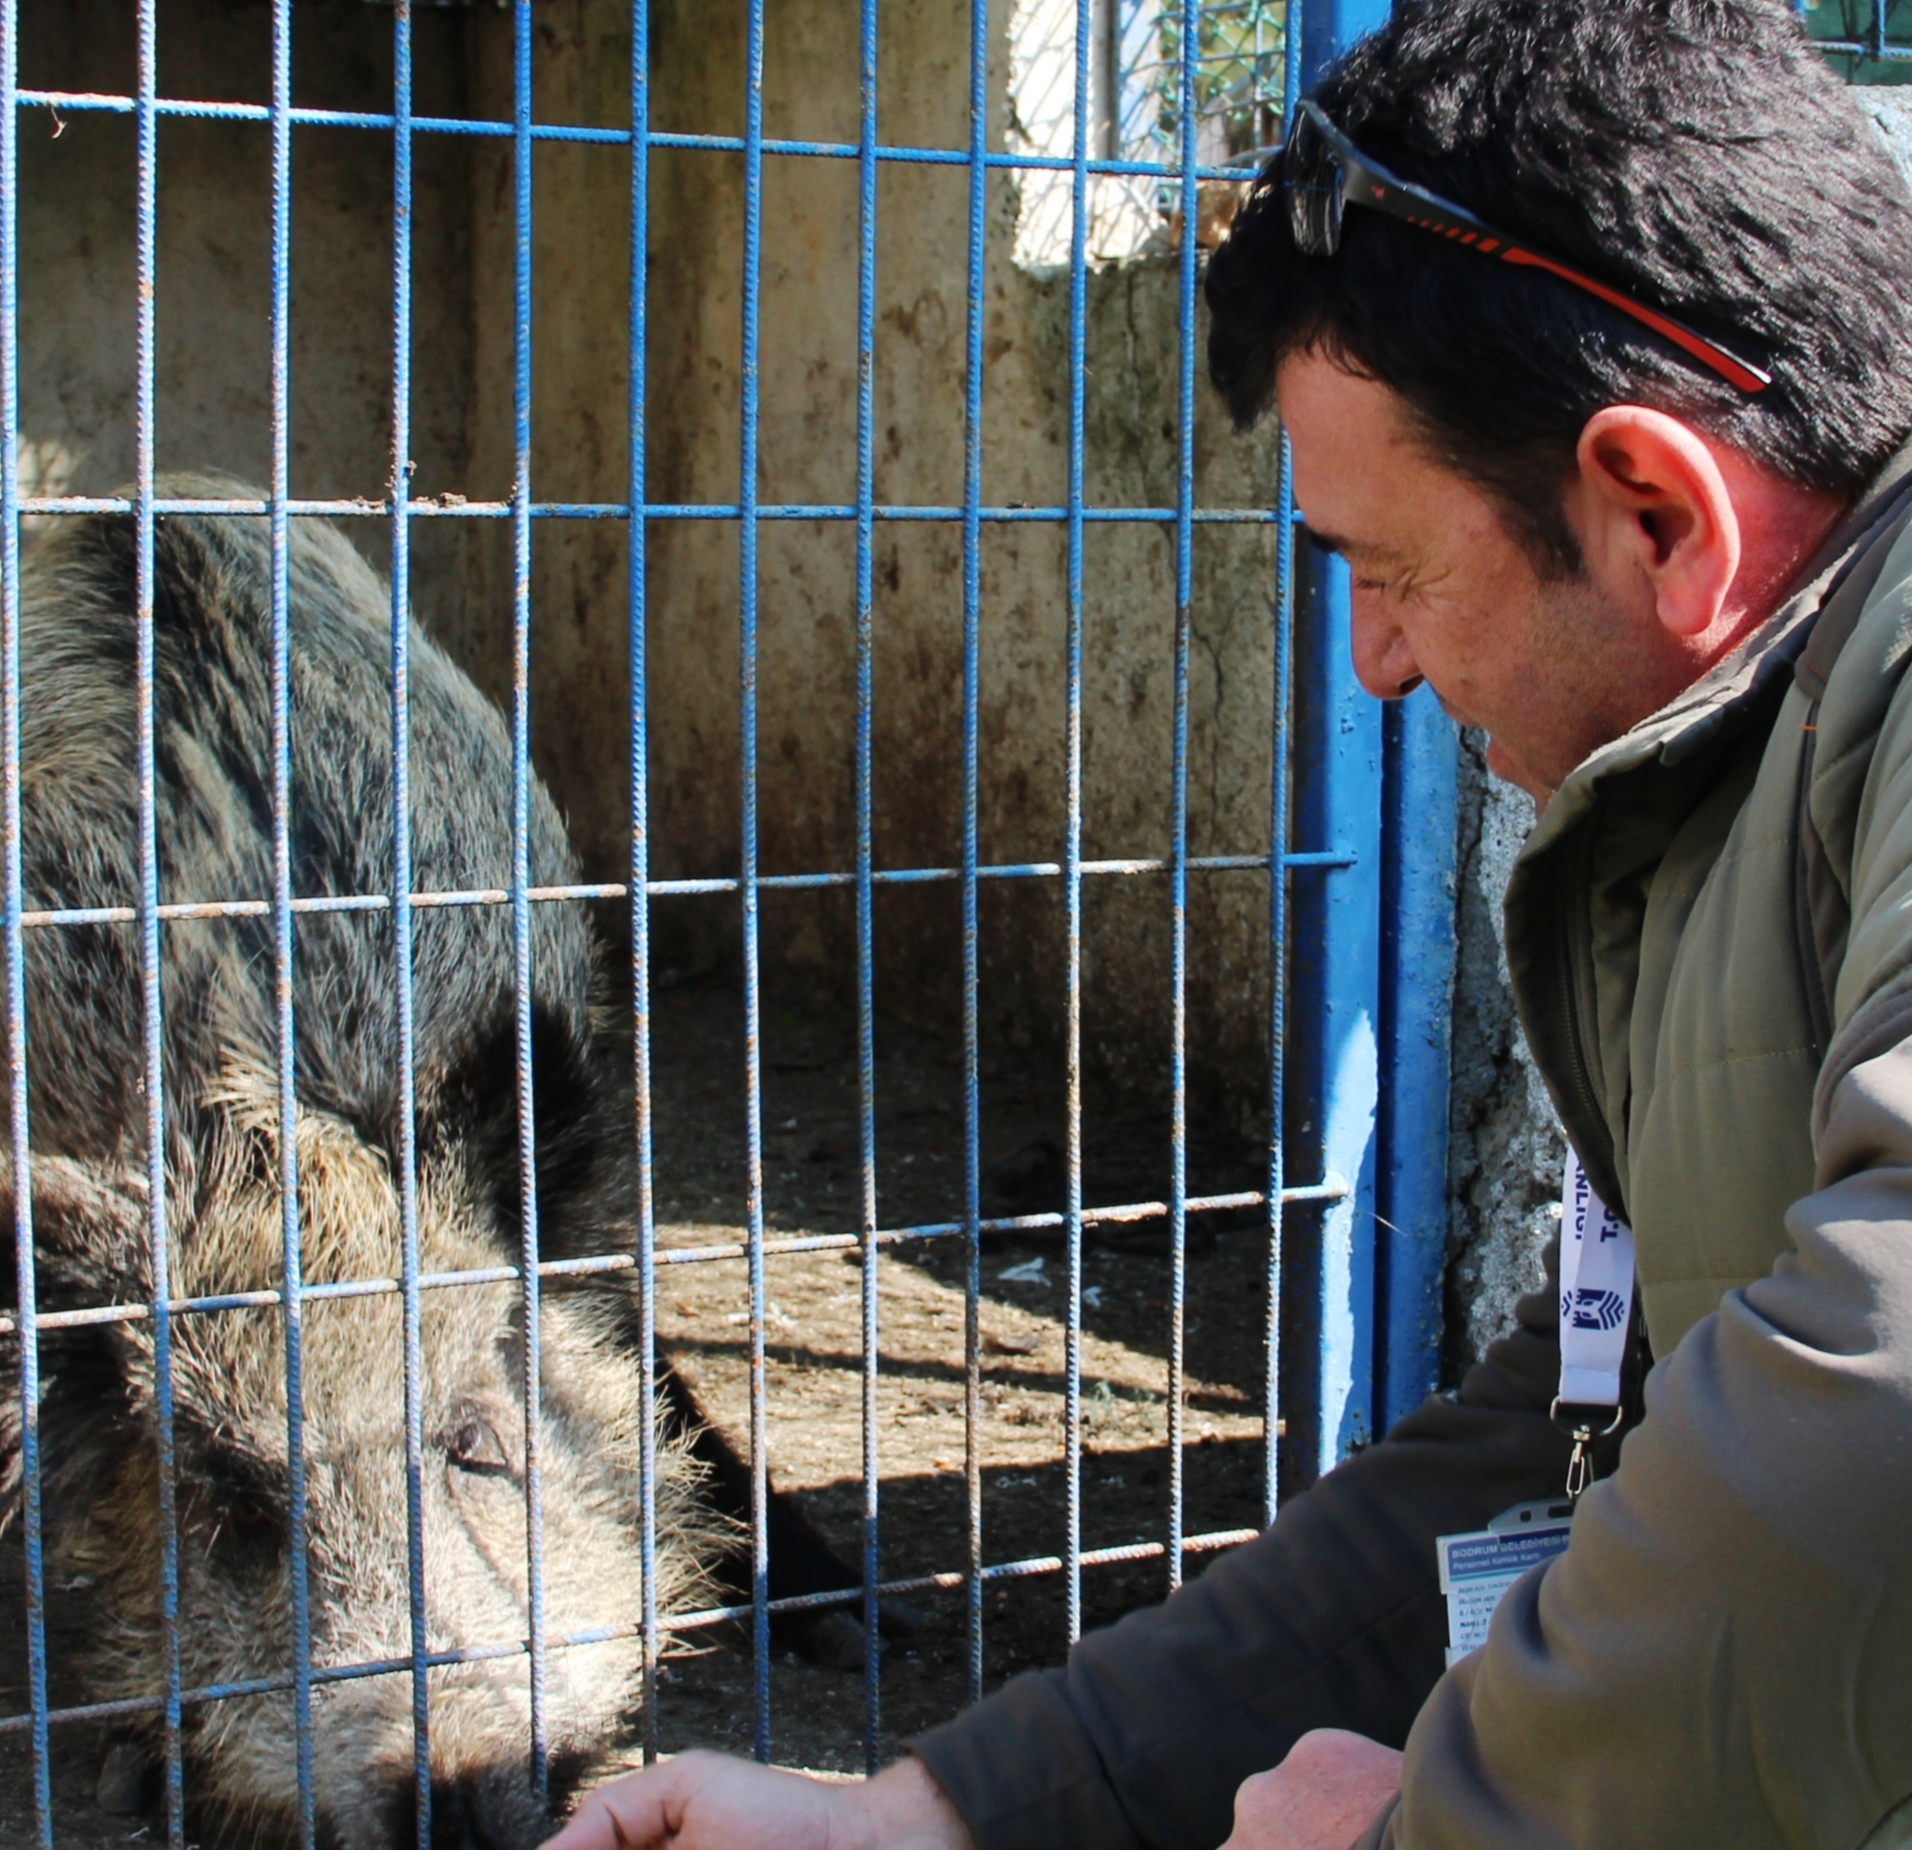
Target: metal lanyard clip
(1596,1315)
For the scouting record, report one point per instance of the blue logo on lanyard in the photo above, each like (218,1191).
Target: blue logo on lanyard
(1594,1309)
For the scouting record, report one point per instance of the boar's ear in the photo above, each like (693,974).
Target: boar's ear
(472,1118)
(89,1250)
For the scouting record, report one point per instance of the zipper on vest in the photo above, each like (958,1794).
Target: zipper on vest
(1593,1119)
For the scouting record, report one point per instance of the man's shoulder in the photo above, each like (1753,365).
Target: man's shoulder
(1863,718)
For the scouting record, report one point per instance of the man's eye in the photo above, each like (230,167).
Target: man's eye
(1396,588)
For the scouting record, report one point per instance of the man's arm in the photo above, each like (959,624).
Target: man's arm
(1332,1619)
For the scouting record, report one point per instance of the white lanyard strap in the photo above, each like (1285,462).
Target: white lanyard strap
(1596,1314)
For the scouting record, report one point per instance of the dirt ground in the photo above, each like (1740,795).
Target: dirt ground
(812,1185)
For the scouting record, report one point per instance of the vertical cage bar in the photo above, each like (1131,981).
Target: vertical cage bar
(398,491)
(747,880)
(1178,847)
(146,120)
(865,860)
(1072,834)
(1279,842)
(1279,836)
(641,860)
(521,868)
(972,631)
(291,1242)
(18,1124)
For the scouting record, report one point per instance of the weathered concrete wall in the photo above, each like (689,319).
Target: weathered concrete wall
(213,410)
(77,377)
(808,377)
(214,219)
(1505,1147)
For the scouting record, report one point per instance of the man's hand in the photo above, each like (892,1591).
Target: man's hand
(1322,1797)
(712,1802)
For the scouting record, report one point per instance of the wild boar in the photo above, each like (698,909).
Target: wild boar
(99,1417)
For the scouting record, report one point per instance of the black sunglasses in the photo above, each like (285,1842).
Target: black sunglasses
(1323,173)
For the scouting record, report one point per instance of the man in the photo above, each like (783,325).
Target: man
(1609,420)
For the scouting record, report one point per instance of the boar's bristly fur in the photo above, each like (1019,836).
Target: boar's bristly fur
(213,749)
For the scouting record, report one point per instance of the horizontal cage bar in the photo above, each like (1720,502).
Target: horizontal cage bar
(84,102)
(1032,1567)
(185,910)
(1332,1188)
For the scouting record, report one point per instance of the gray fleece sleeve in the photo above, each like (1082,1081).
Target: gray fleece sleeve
(1332,1618)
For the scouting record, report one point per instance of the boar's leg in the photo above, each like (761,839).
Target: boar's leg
(800,1560)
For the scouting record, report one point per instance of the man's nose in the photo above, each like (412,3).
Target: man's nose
(1384,664)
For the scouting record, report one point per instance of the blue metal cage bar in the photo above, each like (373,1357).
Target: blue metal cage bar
(19,1138)
(159,1245)
(747,881)
(1333,805)
(521,950)
(1178,796)
(402,915)
(639,888)
(293,1308)
(977,277)
(1072,849)
(870,1281)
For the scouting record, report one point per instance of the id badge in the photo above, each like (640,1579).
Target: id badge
(1478,1568)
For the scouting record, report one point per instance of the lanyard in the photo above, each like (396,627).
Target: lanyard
(1596,1315)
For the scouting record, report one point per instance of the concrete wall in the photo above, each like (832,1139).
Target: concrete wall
(214,389)
(808,376)
(1505,1145)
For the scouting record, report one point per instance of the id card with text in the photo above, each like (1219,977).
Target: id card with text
(1478,1568)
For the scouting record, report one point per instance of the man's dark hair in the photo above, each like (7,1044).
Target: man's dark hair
(1696,153)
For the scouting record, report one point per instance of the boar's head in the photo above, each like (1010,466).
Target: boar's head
(233,1507)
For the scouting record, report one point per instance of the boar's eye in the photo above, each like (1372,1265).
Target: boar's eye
(238,1504)
(474,1446)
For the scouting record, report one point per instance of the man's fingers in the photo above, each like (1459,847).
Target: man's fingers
(600,1824)
(637,1812)
(1322,1797)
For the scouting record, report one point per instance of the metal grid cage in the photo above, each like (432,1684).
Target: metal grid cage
(1870,40)
(1358,917)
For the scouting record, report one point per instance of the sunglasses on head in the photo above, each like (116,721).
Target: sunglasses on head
(1323,173)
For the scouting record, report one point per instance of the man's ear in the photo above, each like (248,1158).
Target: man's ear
(1655,517)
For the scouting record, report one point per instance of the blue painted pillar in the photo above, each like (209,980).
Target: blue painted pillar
(1370,1297)
(1336,1071)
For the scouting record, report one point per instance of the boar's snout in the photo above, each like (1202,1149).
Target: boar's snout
(491,1809)
(488,1808)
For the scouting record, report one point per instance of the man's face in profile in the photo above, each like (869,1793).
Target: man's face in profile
(1442,590)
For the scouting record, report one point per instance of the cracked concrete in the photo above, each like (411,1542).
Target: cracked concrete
(1505,1146)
